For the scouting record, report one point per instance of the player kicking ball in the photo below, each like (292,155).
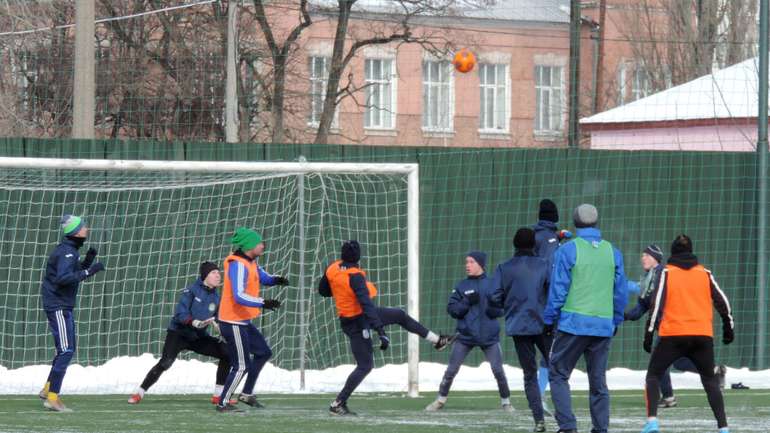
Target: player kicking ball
(194,313)
(346,282)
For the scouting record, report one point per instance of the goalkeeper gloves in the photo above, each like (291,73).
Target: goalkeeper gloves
(281,281)
(95,268)
(647,342)
(384,340)
(564,234)
(728,335)
(201,324)
(89,259)
(271,304)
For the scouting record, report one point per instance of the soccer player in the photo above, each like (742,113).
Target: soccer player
(477,326)
(346,282)
(547,240)
(522,290)
(195,311)
(586,299)
(240,304)
(682,315)
(63,273)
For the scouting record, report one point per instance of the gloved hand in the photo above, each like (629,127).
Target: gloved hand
(626,316)
(271,304)
(548,330)
(564,234)
(201,324)
(384,340)
(95,268)
(647,345)
(728,334)
(281,281)
(472,296)
(91,254)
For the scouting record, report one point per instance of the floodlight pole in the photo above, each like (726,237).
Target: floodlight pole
(762,145)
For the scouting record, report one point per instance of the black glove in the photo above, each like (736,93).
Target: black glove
(626,316)
(281,281)
(548,330)
(728,334)
(472,296)
(271,304)
(90,256)
(647,342)
(384,340)
(96,267)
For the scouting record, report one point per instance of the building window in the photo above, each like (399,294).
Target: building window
(640,87)
(621,83)
(319,76)
(437,96)
(549,98)
(495,97)
(380,94)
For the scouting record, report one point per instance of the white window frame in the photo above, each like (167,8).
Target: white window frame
(640,84)
(485,87)
(370,107)
(429,86)
(556,104)
(622,83)
(320,80)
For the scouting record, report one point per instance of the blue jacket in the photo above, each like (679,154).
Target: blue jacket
(63,273)
(197,302)
(522,291)
(560,281)
(477,325)
(546,240)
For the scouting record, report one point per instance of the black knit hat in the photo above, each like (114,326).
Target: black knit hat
(548,211)
(524,239)
(205,268)
(655,252)
(682,244)
(480,257)
(351,251)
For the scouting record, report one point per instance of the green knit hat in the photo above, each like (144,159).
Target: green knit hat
(245,238)
(71,224)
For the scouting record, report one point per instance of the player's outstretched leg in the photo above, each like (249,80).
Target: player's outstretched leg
(397,316)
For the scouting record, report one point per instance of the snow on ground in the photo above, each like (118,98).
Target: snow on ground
(121,376)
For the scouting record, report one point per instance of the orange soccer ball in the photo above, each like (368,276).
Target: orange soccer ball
(464,61)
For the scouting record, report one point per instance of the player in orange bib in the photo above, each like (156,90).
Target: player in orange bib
(240,303)
(359,316)
(682,315)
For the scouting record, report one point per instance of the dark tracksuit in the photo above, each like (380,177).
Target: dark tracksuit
(63,273)
(197,302)
(546,240)
(681,313)
(477,326)
(359,328)
(643,306)
(522,291)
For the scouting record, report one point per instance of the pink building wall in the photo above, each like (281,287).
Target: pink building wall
(733,138)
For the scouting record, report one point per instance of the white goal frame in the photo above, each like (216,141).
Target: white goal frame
(298,168)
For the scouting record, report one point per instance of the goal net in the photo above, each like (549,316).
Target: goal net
(153,222)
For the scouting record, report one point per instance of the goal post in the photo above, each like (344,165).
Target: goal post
(316,190)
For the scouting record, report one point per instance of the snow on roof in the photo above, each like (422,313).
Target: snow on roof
(556,11)
(726,94)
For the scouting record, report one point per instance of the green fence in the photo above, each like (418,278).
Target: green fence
(477,198)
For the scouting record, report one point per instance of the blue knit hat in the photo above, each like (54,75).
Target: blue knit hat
(480,257)
(71,224)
